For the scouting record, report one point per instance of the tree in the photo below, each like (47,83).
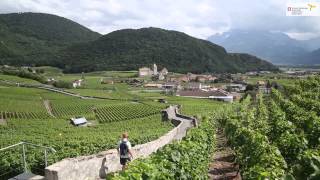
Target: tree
(249,87)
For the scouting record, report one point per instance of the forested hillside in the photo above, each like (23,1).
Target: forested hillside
(35,39)
(31,38)
(130,49)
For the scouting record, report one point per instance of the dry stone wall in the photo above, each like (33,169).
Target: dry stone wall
(98,165)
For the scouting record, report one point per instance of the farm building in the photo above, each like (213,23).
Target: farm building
(217,95)
(79,121)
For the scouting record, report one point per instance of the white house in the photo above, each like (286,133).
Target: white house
(77,83)
(145,71)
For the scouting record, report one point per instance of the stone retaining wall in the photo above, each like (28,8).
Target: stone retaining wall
(98,165)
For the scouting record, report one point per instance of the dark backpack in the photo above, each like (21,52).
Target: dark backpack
(123,148)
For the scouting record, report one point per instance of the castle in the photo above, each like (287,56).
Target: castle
(145,71)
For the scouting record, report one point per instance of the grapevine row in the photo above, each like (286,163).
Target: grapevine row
(307,121)
(124,112)
(245,128)
(23,115)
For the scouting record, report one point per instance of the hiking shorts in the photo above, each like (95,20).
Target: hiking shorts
(123,161)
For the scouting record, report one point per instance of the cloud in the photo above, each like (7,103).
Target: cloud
(199,18)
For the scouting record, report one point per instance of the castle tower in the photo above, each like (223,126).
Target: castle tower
(155,69)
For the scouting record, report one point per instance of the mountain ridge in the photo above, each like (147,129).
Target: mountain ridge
(127,49)
(36,39)
(276,47)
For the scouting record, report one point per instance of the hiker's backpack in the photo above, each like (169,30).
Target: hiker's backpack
(123,148)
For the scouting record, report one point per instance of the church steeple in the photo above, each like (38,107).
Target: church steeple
(155,69)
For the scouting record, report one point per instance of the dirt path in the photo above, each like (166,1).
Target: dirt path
(48,107)
(223,166)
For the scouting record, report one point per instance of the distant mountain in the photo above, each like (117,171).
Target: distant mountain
(30,38)
(275,47)
(309,58)
(130,49)
(311,44)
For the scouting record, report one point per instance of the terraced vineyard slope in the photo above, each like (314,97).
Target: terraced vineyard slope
(27,119)
(277,135)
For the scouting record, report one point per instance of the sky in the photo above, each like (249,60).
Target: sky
(199,18)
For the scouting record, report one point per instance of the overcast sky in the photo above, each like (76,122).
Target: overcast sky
(199,18)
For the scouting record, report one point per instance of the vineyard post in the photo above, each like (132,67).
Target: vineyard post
(24,158)
(45,158)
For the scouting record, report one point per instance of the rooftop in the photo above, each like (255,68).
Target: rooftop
(200,93)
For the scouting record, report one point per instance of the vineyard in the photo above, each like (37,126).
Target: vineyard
(70,141)
(28,103)
(187,159)
(274,135)
(27,119)
(125,112)
(196,107)
(66,108)
(21,103)
(108,93)
(277,135)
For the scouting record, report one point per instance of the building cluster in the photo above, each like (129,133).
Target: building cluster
(148,72)
(193,77)
(188,85)
(194,90)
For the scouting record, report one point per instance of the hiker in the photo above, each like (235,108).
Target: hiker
(124,149)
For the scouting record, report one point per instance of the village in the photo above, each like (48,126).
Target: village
(225,87)
(219,87)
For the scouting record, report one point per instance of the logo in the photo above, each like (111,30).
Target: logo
(311,6)
(303,9)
